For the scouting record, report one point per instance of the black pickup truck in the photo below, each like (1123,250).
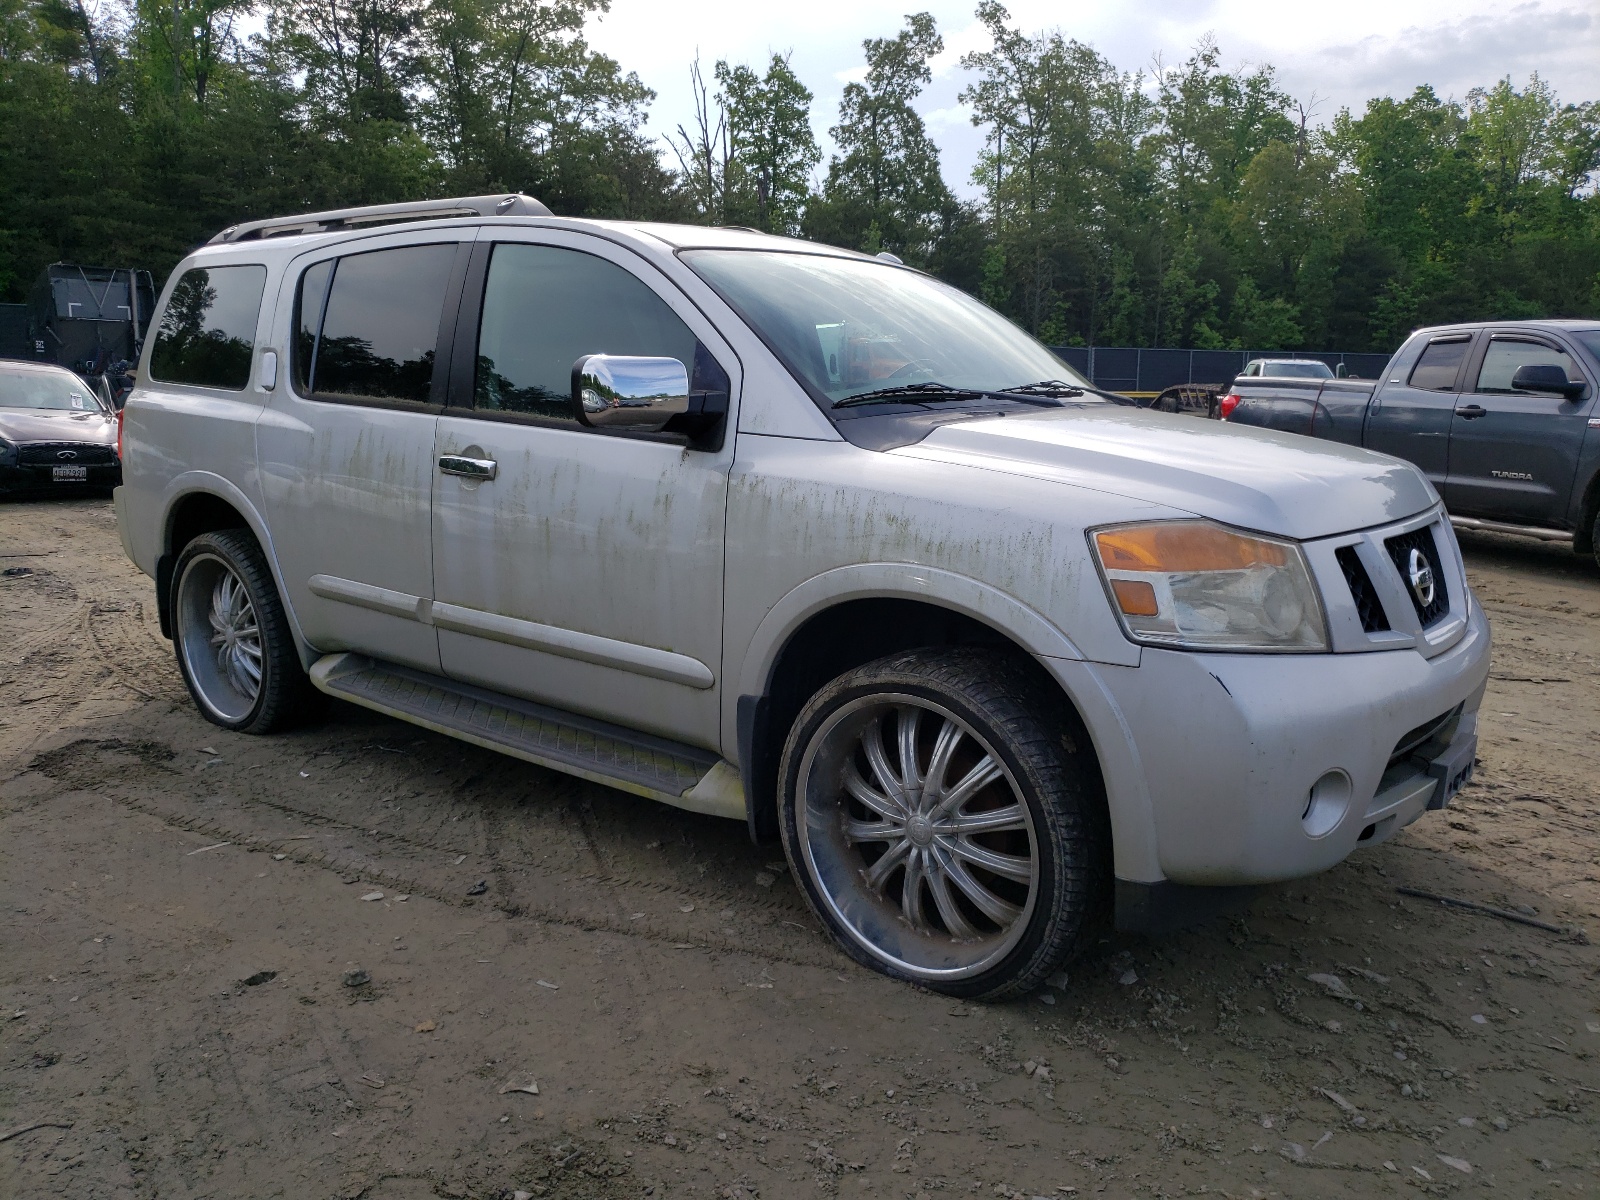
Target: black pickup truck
(1501,416)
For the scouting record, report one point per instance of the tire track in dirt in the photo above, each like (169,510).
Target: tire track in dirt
(133,649)
(593,901)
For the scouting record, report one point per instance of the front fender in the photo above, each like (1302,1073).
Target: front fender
(906,581)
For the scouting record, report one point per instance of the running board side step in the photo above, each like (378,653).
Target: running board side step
(648,766)
(1532,531)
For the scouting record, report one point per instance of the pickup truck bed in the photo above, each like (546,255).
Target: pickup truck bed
(1333,409)
(1458,402)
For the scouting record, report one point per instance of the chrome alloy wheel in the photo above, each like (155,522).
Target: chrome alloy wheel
(220,637)
(917,837)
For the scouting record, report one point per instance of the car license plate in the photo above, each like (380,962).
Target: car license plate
(66,474)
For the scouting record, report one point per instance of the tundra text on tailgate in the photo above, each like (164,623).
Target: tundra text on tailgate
(789,534)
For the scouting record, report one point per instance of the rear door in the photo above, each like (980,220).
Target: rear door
(346,448)
(1513,453)
(1413,406)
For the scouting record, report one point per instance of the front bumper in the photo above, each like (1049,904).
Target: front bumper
(1228,748)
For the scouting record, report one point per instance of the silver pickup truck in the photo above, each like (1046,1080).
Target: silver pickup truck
(1499,415)
(788,534)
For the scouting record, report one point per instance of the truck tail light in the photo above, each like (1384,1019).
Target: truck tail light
(1227,404)
(120,413)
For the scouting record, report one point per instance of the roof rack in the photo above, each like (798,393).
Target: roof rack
(514,205)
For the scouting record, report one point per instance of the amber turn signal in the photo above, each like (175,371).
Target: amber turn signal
(1135,597)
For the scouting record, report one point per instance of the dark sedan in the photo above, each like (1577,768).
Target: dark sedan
(57,435)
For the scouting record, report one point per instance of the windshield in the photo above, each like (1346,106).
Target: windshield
(846,327)
(1591,339)
(52,390)
(1298,370)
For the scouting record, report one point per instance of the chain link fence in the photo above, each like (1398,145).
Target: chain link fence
(1147,372)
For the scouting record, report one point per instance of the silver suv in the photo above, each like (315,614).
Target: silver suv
(792,535)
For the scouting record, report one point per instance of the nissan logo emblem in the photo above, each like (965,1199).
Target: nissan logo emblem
(66,455)
(1420,575)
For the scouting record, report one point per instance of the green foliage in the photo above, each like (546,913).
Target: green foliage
(1202,208)
(126,136)
(771,149)
(1194,205)
(884,190)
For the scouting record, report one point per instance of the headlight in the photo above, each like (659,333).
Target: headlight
(8,454)
(1200,586)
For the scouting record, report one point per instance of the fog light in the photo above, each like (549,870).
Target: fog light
(1326,803)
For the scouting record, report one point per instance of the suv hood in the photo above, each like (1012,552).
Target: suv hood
(1257,479)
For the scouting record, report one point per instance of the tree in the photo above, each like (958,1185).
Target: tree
(771,150)
(884,190)
(1060,170)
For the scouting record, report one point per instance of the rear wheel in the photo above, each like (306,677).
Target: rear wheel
(943,822)
(232,638)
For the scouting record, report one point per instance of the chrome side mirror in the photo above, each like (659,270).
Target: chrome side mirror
(613,391)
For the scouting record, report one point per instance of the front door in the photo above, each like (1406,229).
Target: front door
(1412,407)
(586,573)
(346,449)
(1514,454)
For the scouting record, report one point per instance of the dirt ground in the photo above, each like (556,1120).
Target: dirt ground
(181,906)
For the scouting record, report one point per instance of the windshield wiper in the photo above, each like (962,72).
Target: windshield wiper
(912,393)
(1060,389)
(1050,393)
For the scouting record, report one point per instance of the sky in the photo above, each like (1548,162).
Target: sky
(1338,55)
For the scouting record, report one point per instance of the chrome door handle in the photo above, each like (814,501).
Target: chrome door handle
(469,468)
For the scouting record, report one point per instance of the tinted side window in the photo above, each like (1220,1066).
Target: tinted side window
(309,299)
(1439,365)
(544,307)
(1501,360)
(380,325)
(208,332)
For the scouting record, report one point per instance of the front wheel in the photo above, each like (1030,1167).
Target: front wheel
(232,638)
(943,818)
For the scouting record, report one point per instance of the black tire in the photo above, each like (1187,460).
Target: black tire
(992,706)
(282,695)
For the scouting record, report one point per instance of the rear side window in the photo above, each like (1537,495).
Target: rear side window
(1504,356)
(208,331)
(367,325)
(1439,365)
(544,307)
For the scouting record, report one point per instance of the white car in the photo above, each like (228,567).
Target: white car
(789,534)
(1286,368)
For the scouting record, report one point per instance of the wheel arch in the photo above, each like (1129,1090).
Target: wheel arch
(199,502)
(853,615)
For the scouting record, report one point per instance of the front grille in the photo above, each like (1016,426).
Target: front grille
(1373,618)
(1400,549)
(87,454)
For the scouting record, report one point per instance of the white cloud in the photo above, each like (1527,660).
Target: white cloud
(957,116)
